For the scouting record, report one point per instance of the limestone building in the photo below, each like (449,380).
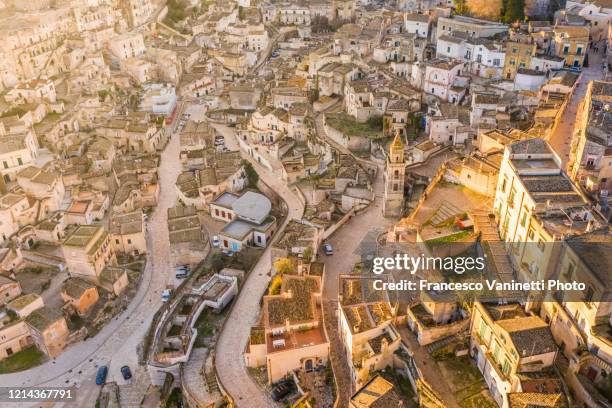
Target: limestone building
(394,179)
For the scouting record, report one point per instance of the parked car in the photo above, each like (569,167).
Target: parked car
(227,252)
(283,389)
(327,248)
(215,242)
(101,375)
(126,373)
(182,273)
(166,295)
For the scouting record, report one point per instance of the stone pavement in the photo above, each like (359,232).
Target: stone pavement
(561,138)
(427,365)
(245,312)
(337,356)
(193,378)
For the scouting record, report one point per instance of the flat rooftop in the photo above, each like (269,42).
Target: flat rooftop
(81,236)
(297,339)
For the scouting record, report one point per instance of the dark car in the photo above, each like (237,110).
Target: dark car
(126,373)
(283,389)
(101,376)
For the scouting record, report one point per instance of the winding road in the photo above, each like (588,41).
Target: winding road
(116,344)
(245,312)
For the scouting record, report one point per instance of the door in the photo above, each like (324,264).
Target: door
(234,247)
(308,366)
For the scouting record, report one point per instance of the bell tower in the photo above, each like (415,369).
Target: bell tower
(393,203)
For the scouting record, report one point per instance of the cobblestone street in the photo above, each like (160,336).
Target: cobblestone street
(245,312)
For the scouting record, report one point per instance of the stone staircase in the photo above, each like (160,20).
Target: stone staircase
(193,380)
(444,212)
(211,383)
(485,224)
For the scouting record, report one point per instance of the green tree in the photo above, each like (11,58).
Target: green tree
(461,7)
(251,174)
(275,285)
(217,262)
(513,11)
(376,122)
(308,254)
(283,266)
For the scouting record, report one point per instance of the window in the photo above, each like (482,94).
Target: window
(511,198)
(482,329)
(531,234)
(19,161)
(524,217)
(565,49)
(506,367)
(6,166)
(541,245)
(503,187)
(579,50)
(496,351)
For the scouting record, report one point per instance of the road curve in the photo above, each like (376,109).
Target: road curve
(245,312)
(119,339)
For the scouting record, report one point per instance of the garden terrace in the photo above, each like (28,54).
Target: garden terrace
(258,335)
(376,342)
(380,312)
(423,315)
(359,290)
(358,318)
(350,127)
(295,303)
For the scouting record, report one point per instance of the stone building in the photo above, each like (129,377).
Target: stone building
(393,203)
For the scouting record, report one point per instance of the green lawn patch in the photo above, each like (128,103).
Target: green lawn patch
(456,237)
(459,372)
(478,401)
(350,127)
(27,358)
